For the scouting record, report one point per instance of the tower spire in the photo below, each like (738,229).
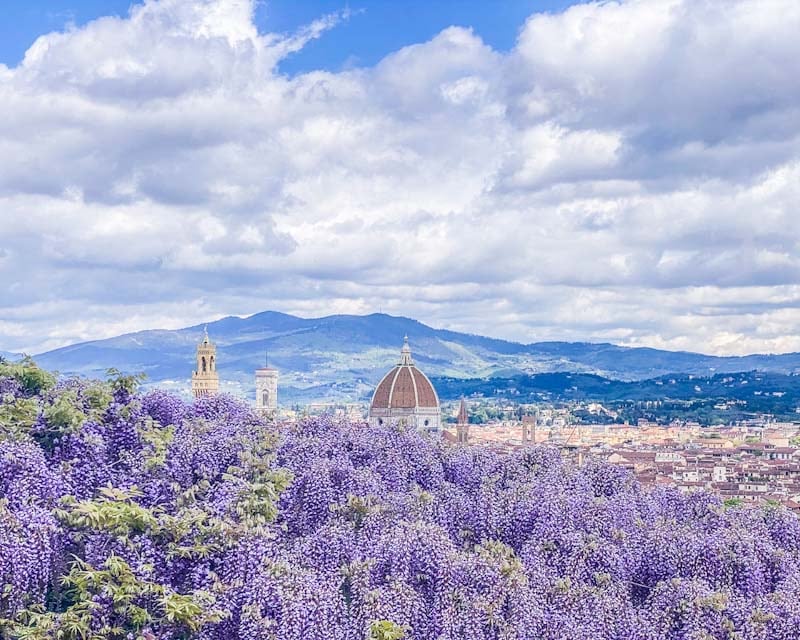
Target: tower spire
(462,413)
(405,352)
(462,424)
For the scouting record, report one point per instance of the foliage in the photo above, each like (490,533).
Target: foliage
(386,630)
(113,511)
(113,602)
(718,399)
(17,416)
(135,515)
(30,378)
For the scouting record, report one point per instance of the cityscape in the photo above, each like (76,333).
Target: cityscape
(752,461)
(420,320)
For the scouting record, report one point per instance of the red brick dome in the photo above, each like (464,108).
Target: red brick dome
(404,387)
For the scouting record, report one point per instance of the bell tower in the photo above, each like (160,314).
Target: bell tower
(267,388)
(529,427)
(205,379)
(462,425)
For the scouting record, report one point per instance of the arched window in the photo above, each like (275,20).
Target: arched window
(203,363)
(265,399)
(211,363)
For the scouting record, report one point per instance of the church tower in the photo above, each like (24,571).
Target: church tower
(462,424)
(267,389)
(529,427)
(205,380)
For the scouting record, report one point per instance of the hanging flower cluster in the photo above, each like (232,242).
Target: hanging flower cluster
(129,515)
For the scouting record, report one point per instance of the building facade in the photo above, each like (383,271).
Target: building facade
(267,389)
(405,396)
(205,379)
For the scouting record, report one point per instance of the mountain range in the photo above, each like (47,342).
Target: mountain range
(341,357)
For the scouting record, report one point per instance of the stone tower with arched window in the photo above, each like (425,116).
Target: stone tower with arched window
(267,389)
(205,380)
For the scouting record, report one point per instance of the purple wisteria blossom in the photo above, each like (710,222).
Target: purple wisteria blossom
(139,515)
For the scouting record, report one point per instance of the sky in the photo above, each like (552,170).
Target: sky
(373,29)
(612,171)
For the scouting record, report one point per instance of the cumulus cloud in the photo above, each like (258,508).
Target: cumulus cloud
(628,172)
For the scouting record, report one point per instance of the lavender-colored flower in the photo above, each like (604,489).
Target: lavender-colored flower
(221,525)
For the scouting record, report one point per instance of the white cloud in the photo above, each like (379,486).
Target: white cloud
(629,172)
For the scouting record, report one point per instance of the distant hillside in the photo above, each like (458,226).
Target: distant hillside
(343,356)
(719,399)
(7,355)
(763,391)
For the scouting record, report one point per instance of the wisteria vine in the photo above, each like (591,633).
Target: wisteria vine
(130,515)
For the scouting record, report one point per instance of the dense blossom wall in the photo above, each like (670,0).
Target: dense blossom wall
(125,515)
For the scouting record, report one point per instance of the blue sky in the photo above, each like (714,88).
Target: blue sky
(622,171)
(373,30)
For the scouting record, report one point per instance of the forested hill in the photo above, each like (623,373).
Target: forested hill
(343,356)
(709,399)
